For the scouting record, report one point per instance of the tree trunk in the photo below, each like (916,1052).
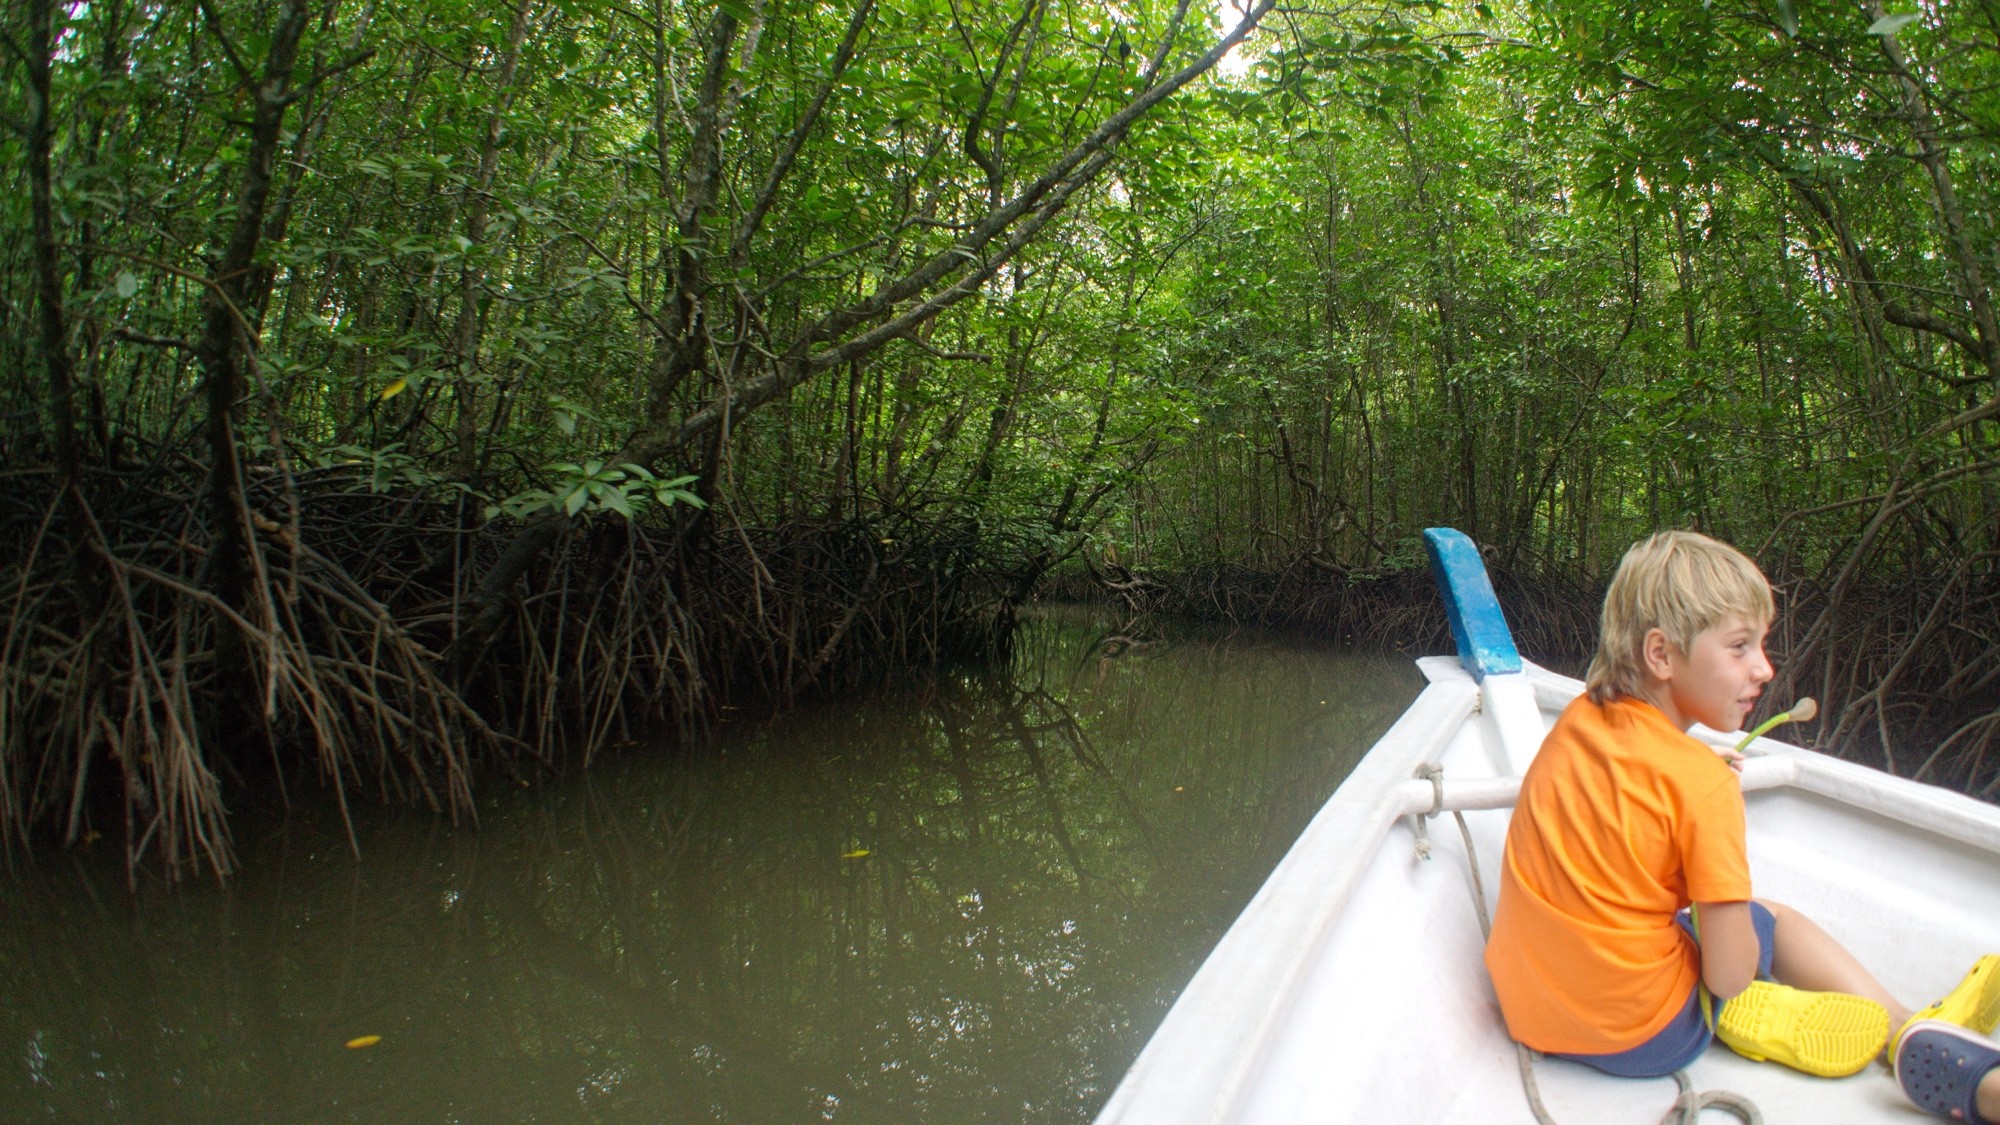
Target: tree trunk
(229,339)
(472,276)
(53,336)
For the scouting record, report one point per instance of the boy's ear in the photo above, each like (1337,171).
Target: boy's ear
(1656,653)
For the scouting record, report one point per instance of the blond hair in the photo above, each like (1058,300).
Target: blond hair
(1680,582)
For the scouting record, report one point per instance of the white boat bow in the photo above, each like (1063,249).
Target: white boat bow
(1351,988)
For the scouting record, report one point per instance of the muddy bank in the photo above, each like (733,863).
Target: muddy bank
(144,693)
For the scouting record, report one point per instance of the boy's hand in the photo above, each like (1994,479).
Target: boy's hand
(1731,755)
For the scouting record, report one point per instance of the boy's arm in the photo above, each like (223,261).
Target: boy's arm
(1728,947)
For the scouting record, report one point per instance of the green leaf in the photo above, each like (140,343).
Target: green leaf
(1891,24)
(578,497)
(127,283)
(738,9)
(668,497)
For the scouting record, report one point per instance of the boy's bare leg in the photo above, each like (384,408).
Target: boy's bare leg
(1808,957)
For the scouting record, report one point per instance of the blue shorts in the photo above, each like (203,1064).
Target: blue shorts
(1684,1039)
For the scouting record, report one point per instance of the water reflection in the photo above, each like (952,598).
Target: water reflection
(964,899)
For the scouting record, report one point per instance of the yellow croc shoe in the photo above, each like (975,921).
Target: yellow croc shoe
(1974,1003)
(1831,1034)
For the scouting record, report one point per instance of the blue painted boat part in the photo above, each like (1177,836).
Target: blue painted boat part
(1485,644)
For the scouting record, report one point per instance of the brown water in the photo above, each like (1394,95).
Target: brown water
(1050,850)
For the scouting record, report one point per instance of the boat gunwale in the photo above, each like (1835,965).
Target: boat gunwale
(1352,825)
(1770,764)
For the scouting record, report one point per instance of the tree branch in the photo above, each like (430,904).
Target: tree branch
(956,357)
(321,77)
(739,250)
(244,75)
(152,341)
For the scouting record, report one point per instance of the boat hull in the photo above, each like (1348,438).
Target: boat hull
(1352,988)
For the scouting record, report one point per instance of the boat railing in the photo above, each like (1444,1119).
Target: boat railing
(1947,814)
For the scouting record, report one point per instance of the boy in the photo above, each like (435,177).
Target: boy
(1626,935)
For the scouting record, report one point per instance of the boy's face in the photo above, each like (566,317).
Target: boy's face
(1717,681)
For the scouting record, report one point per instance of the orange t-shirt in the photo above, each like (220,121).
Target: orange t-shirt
(1623,820)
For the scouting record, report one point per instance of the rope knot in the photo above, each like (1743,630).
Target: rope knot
(1433,773)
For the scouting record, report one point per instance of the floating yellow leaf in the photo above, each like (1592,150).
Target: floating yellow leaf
(855,854)
(394,389)
(360,1041)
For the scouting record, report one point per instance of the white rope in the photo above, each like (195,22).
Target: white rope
(1687,1106)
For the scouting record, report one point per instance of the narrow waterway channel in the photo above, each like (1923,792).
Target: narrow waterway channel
(965,899)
